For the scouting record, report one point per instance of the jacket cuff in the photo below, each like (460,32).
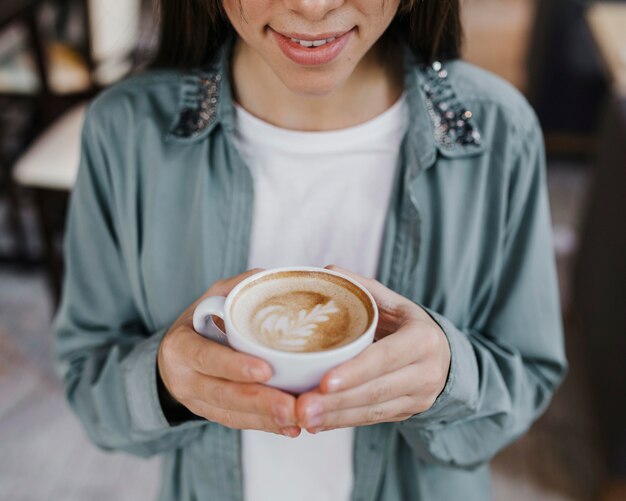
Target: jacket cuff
(459,396)
(141,385)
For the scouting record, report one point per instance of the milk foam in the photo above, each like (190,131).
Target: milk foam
(302,311)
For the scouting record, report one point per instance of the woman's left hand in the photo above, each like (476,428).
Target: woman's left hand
(398,376)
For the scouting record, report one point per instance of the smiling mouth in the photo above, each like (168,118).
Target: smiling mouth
(313,43)
(312,40)
(311,50)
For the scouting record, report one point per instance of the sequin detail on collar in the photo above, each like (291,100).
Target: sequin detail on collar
(452,122)
(200,99)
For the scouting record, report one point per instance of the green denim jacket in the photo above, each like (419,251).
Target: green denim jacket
(162,209)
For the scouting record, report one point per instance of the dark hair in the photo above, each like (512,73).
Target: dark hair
(191,31)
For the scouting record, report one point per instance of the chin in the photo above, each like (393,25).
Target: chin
(314,86)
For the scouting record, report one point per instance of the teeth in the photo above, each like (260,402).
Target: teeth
(312,43)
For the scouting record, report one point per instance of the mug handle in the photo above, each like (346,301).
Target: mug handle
(203,323)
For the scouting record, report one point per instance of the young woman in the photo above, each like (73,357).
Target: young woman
(310,132)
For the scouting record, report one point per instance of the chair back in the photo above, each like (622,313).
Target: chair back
(114,31)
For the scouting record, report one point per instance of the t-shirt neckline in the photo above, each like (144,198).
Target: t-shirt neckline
(256,130)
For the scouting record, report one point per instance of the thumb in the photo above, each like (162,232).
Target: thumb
(386,299)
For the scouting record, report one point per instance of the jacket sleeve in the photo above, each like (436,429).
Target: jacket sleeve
(502,376)
(103,351)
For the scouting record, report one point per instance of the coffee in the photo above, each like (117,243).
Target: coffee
(302,311)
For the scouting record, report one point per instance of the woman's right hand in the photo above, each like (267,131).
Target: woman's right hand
(218,383)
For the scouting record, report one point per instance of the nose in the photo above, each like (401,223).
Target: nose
(314,10)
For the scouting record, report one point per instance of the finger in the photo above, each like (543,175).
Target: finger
(397,350)
(249,398)
(398,409)
(310,406)
(241,420)
(385,298)
(213,359)
(393,308)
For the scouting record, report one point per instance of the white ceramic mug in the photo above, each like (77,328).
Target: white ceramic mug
(295,372)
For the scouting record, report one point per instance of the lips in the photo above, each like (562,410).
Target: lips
(311,56)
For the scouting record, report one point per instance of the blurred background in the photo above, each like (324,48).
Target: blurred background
(567,56)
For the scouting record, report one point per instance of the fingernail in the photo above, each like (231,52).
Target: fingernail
(333,384)
(281,416)
(290,432)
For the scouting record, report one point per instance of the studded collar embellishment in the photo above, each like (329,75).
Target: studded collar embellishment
(453,124)
(200,100)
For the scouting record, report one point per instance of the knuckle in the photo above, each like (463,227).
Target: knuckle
(249,391)
(421,407)
(430,401)
(425,403)
(389,357)
(268,423)
(264,404)
(380,393)
(432,388)
(169,345)
(337,401)
(219,395)
(228,419)
(253,396)
(430,340)
(198,355)
(375,413)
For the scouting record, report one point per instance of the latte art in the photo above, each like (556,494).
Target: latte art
(278,322)
(285,325)
(302,312)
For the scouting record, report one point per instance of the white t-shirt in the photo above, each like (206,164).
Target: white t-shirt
(320,198)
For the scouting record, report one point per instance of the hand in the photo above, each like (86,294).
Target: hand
(396,377)
(218,383)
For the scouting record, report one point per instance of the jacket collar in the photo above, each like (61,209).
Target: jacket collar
(439,122)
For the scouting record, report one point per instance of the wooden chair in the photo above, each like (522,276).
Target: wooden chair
(24,92)
(46,168)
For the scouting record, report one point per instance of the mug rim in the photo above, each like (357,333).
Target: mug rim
(310,355)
